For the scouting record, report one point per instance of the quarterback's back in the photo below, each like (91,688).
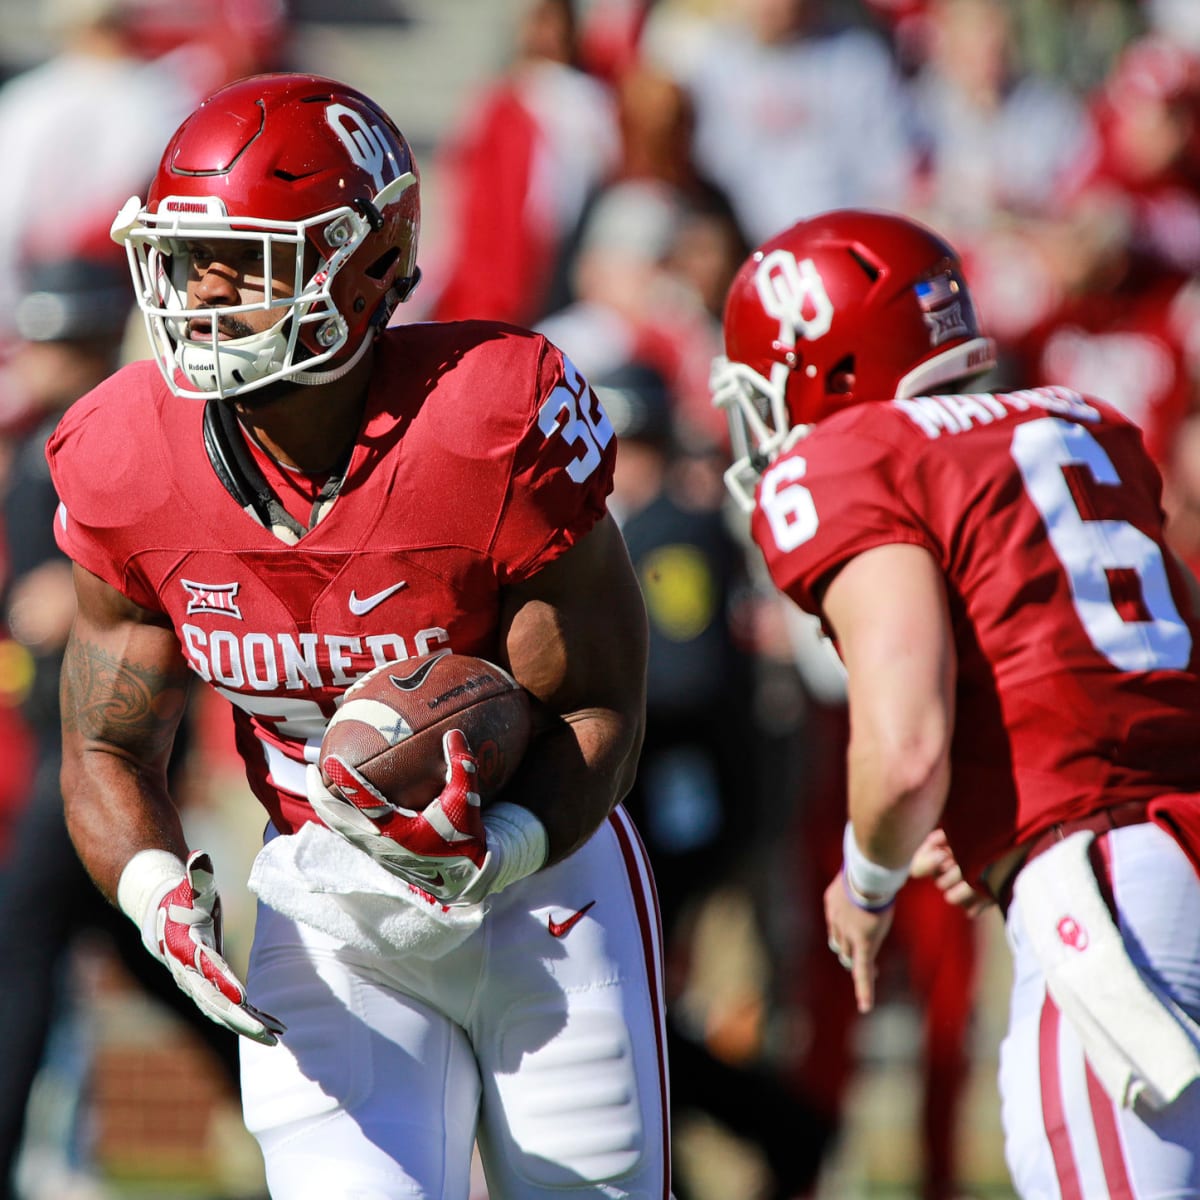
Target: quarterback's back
(1077,646)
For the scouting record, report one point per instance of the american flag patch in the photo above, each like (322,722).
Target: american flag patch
(933,293)
(941,300)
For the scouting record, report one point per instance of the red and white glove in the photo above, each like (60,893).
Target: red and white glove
(178,910)
(449,849)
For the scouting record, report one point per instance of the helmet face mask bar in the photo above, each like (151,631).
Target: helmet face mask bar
(760,428)
(157,247)
(843,309)
(298,167)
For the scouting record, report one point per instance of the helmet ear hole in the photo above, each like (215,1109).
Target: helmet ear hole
(383,264)
(840,378)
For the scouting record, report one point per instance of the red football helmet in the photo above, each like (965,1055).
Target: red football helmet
(305,166)
(847,307)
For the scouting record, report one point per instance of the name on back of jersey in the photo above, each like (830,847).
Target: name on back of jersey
(935,415)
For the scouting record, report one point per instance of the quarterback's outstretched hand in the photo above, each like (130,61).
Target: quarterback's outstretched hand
(180,920)
(855,936)
(441,849)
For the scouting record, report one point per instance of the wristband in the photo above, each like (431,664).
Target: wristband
(147,877)
(860,901)
(870,886)
(517,840)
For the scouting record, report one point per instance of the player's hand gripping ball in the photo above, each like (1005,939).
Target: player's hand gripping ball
(384,750)
(407,762)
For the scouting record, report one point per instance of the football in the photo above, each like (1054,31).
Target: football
(390,725)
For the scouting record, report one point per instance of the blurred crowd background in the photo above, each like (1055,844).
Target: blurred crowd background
(597,169)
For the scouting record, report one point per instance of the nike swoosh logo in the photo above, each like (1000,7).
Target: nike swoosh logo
(361,607)
(410,683)
(562,928)
(410,872)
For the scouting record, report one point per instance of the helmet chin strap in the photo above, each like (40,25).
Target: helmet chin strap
(316,378)
(399,293)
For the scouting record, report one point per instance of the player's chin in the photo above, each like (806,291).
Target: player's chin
(270,393)
(263,397)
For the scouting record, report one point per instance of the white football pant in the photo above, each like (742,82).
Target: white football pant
(1064,1137)
(548,1048)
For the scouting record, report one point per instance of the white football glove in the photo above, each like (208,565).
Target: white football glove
(449,849)
(178,909)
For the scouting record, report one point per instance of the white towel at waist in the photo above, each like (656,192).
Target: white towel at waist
(1140,1043)
(318,878)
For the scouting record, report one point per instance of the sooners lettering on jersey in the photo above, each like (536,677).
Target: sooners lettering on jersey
(483,456)
(1043,510)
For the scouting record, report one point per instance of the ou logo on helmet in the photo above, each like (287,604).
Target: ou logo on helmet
(365,143)
(794,294)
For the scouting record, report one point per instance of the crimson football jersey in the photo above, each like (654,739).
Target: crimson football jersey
(483,456)
(1079,655)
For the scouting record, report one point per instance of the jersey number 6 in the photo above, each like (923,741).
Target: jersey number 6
(1088,548)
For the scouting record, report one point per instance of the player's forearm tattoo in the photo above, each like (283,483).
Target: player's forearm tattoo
(125,704)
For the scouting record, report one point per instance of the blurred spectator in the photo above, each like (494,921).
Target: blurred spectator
(16,743)
(1116,331)
(996,143)
(609,34)
(994,139)
(1182,497)
(535,146)
(1126,248)
(1144,163)
(1072,42)
(79,134)
(628,304)
(657,122)
(1176,20)
(211,41)
(695,797)
(691,801)
(904,24)
(71,318)
(793,114)
(676,34)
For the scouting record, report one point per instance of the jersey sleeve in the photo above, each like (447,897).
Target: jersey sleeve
(102,489)
(562,470)
(838,493)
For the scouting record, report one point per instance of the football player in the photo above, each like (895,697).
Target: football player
(289,495)
(1023,661)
